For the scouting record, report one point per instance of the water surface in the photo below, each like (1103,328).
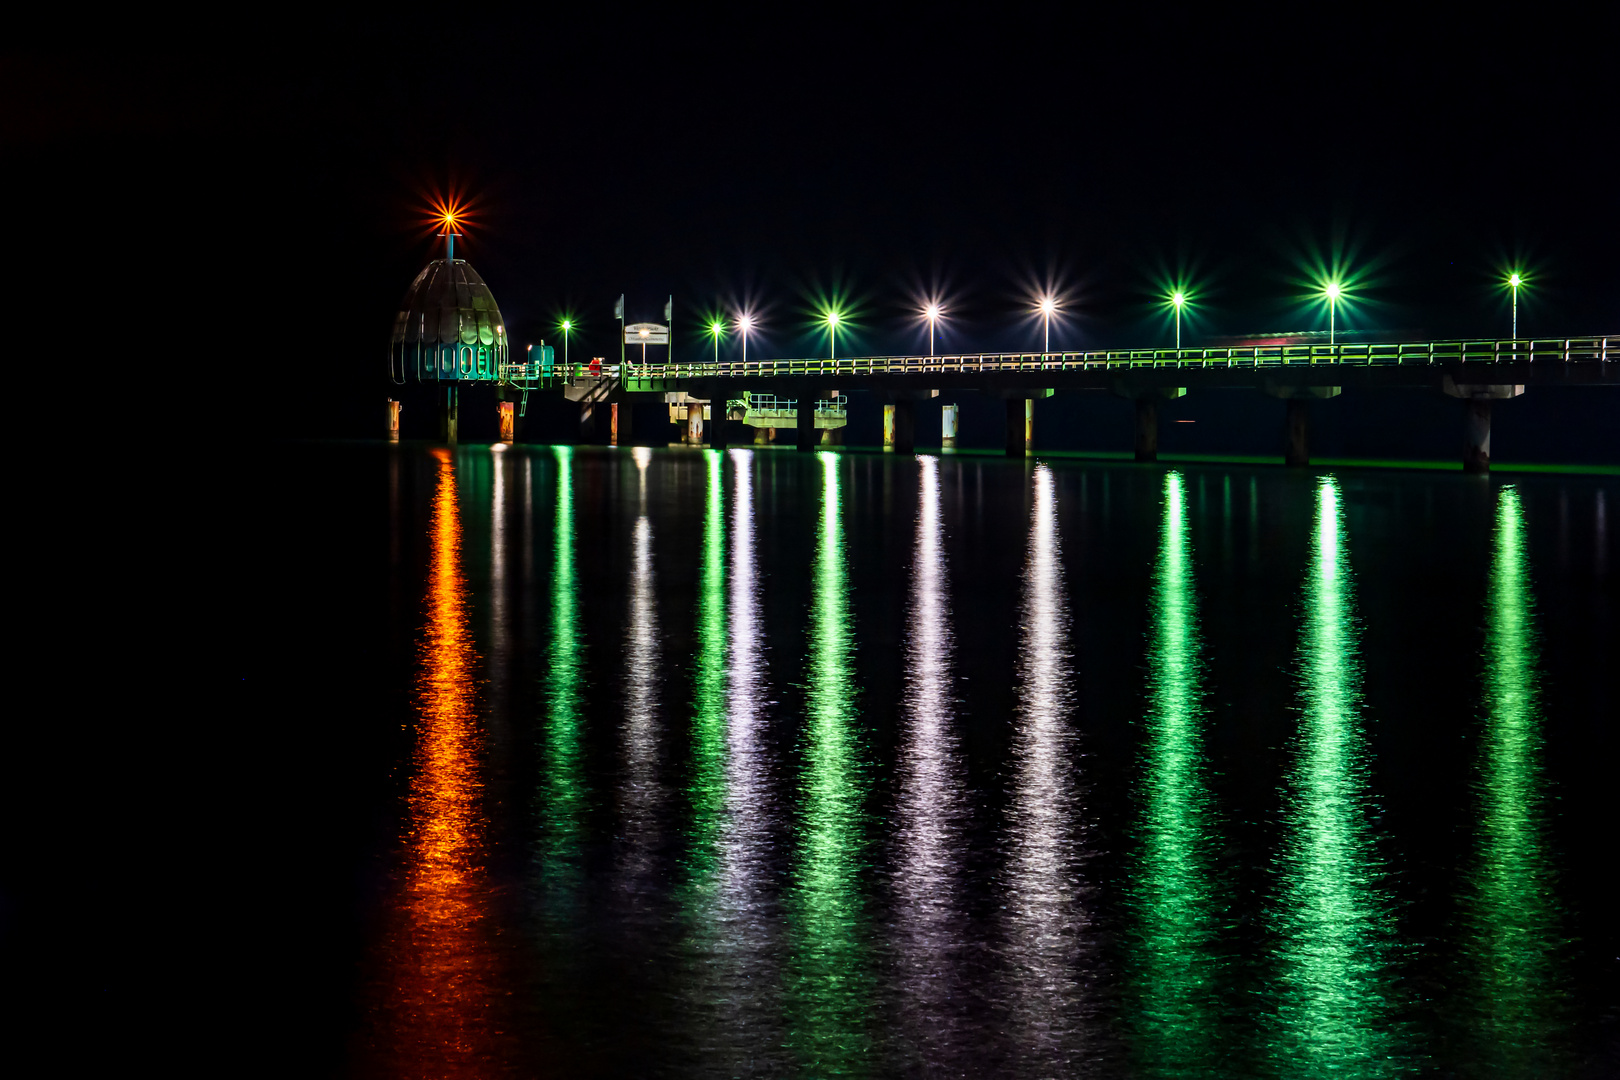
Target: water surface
(699,763)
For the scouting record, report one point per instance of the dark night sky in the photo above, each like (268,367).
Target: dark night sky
(771,155)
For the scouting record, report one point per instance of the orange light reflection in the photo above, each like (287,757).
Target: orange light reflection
(438,1015)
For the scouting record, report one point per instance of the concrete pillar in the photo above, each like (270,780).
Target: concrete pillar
(1015,427)
(717,420)
(393,420)
(888,427)
(1147,429)
(833,436)
(1477,435)
(947,427)
(762,435)
(807,422)
(905,427)
(1476,399)
(449,414)
(621,426)
(1029,426)
(1297,450)
(506,414)
(694,423)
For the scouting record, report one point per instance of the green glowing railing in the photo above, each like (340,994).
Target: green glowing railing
(1354,354)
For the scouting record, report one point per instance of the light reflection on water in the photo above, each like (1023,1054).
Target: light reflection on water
(1333,992)
(1047,924)
(562,782)
(1512,938)
(1176,968)
(930,932)
(712,889)
(640,791)
(440,1011)
(829,975)
(731,952)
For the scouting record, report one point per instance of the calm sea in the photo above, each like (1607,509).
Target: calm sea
(757,763)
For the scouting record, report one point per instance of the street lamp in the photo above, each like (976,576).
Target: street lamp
(715,328)
(744,324)
(1332,290)
(832,317)
(1178,298)
(1514,281)
(567,325)
(933,312)
(1048,304)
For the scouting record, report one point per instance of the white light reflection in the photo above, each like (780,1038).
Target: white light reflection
(929,920)
(640,788)
(741,980)
(1046,919)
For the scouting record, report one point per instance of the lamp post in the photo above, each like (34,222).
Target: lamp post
(744,324)
(1178,298)
(567,325)
(933,313)
(1514,281)
(1333,290)
(714,328)
(1047,306)
(832,318)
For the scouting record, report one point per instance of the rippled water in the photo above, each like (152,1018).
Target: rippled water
(759,763)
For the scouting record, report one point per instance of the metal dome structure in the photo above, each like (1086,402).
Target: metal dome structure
(449,329)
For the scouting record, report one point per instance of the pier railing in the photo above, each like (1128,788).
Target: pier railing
(1352,354)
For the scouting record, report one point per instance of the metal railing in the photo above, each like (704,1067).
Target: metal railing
(1355,354)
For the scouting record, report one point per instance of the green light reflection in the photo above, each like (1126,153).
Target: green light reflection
(828,981)
(707,790)
(562,787)
(1333,992)
(1174,898)
(1511,942)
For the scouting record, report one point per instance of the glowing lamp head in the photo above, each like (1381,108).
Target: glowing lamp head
(1333,290)
(932,311)
(1048,305)
(449,218)
(643,333)
(567,324)
(1515,280)
(832,318)
(715,328)
(745,323)
(1178,298)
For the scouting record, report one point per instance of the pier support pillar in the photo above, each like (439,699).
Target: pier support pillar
(1297,425)
(1476,399)
(622,425)
(905,427)
(1477,435)
(694,423)
(833,436)
(506,417)
(393,420)
(1297,450)
(947,427)
(807,424)
(888,428)
(717,420)
(1016,428)
(1147,429)
(449,414)
(762,435)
